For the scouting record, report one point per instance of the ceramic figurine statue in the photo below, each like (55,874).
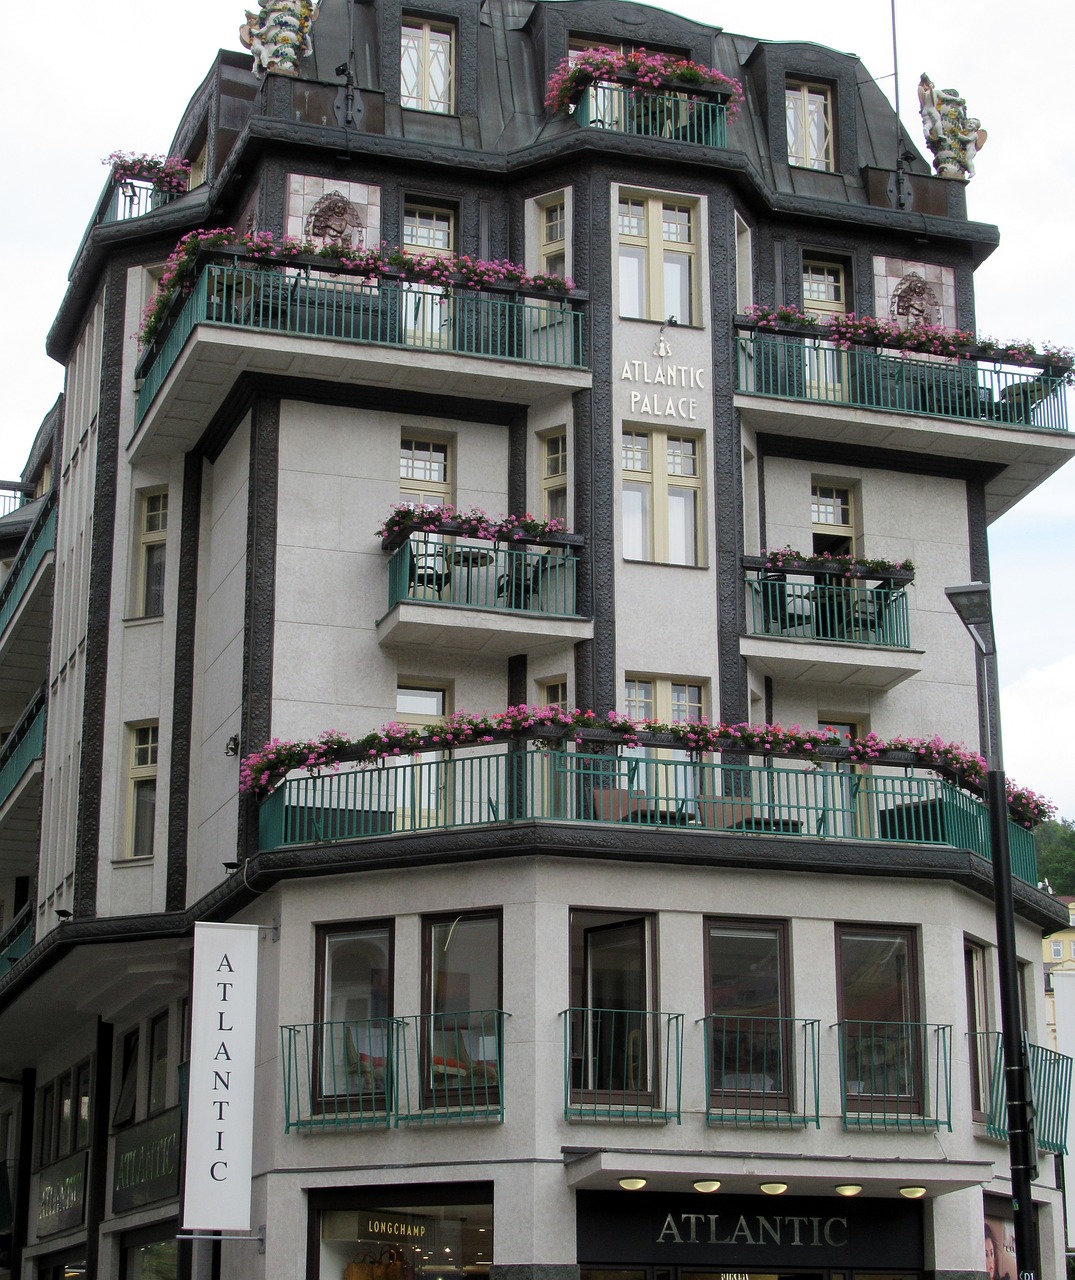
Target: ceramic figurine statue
(278,35)
(953,136)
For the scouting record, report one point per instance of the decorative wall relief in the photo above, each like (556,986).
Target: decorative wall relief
(954,137)
(278,35)
(914,302)
(335,220)
(331,212)
(914,292)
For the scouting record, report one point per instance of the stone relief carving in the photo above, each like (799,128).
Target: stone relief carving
(278,35)
(914,302)
(335,220)
(954,137)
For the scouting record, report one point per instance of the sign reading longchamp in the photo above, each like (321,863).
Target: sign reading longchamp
(220,1113)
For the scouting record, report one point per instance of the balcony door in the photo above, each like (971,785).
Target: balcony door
(824,296)
(613,1050)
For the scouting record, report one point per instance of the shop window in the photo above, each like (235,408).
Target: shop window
(426,72)
(142,790)
(658,268)
(355,1010)
(662,496)
(613,1050)
(554,475)
(746,994)
(462,1003)
(151,1253)
(809,123)
(881,1037)
(153,534)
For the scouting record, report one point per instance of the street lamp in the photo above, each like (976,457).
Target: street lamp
(972,604)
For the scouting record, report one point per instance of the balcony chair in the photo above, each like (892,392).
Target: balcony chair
(428,569)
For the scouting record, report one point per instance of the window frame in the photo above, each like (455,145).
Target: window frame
(838,537)
(159,1025)
(798,92)
(650,249)
(58,1137)
(415,209)
(152,553)
(555,473)
(976,985)
(128,1071)
(658,482)
(425,100)
(137,776)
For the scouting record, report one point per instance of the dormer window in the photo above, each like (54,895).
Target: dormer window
(809,117)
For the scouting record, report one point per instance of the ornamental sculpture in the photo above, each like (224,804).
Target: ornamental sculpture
(953,136)
(278,35)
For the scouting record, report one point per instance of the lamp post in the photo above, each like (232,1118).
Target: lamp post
(973,605)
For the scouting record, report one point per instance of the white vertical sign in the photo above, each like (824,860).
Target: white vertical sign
(220,1110)
(1064,1007)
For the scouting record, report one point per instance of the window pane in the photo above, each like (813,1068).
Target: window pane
(153,585)
(746,1000)
(64,1115)
(875,977)
(676,224)
(635,447)
(82,1107)
(410,76)
(420,702)
(440,71)
(145,809)
(465,964)
(677,286)
(636,521)
(638,699)
(158,1063)
(632,281)
(682,456)
(682,526)
(357,975)
(632,218)
(423,460)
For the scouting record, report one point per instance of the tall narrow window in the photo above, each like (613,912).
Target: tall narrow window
(809,122)
(666,777)
(554,238)
(143,790)
(426,71)
(421,781)
(127,1096)
(462,1007)
(554,476)
(355,998)
(662,492)
(657,258)
(744,267)
(975,983)
(154,533)
(158,1063)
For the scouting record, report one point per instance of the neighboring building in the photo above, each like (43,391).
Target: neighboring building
(1057,952)
(495,981)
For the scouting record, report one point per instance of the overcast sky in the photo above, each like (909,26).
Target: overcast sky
(75,92)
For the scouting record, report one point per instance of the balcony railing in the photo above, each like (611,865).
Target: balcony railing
(16,939)
(39,541)
(808,369)
(761,1072)
(481,787)
(679,116)
(1050,1091)
(896,1075)
(12,496)
(375,1073)
(290,300)
(131,198)
(823,611)
(483,575)
(622,1064)
(23,745)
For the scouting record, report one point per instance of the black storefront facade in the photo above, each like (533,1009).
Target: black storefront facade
(651,1236)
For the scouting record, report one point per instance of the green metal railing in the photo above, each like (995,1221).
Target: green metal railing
(134,199)
(339,1075)
(761,1072)
(16,940)
(450,1067)
(23,745)
(896,1075)
(415,317)
(1050,1091)
(483,575)
(376,1073)
(479,787)
(820,611)
(679,116)
(40,540)
(962,390)
(622,1064)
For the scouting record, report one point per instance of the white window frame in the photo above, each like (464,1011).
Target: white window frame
(152,542)
(805,103)
(642,222)
(143,748)
(417,451)
(744,266)
(652,482)
(428,39)
(841,496)
(555,468)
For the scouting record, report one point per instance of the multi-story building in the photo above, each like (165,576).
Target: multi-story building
(503,982)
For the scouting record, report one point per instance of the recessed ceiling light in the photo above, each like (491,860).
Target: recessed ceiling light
(774,1188)
(912,1193)
(632,1184)
(848,1189)
(706,1185)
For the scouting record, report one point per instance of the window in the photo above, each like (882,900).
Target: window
(881,1039)
(662,496)
(664,776)
(809,119)
(746,1007)
(427,230)
(975,973)
(554,476)
(153,533)
(355,1001)
(1058,950)
(64,1111)
(462,1006)
(612,1050)
(422,780)
(426,72)
(127,1095)
(657,258)
(554,237)
(553,693)
(423,471)
(831,519)
(143,790)
(158,1063)
(744,267)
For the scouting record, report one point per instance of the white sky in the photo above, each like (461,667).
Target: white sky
(123,87)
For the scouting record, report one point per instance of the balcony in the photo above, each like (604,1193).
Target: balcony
(761,1072)
(1050,1091)
(823,629)
(622,1065)
(683,117)
(483,596)
(896,1075)
(16,939)
(347,312)
(21,759)
(26,605)
(498,786)
(376,1073)
(130,198)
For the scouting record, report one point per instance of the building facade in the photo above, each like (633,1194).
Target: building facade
(539,1003)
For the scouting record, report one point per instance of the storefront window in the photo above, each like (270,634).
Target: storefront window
(150,1254)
